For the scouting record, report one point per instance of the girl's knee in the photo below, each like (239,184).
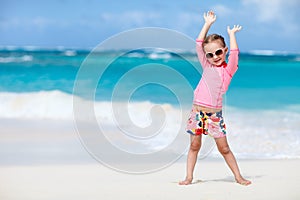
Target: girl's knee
(224,150)
(195,146)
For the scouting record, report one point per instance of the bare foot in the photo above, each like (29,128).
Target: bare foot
(187,181)
(243,181)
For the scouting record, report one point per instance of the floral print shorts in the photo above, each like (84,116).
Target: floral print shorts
(206,123)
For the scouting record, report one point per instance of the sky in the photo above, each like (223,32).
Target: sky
(267,24)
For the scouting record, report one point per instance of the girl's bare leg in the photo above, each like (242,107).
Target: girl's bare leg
(192,159)
(224,149)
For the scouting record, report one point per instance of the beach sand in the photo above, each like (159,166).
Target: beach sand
(39,161)
(272,179)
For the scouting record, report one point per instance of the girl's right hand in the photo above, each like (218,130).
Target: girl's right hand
(209,17)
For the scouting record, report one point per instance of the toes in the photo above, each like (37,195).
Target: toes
(244,182)
(185,182)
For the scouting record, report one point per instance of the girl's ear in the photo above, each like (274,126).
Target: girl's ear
(226,50)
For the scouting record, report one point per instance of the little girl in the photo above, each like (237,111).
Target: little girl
(206,116)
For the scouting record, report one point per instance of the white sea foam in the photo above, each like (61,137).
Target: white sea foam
(70,53)
(36,105)
(10,59)
(251,133)
(135,55)
(159,55)
(264,133)
(271,53)
(153,53)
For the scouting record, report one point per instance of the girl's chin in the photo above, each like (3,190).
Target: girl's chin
(217,63)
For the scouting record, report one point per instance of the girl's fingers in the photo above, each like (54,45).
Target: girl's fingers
(234,29)
(237,27)
(209,15)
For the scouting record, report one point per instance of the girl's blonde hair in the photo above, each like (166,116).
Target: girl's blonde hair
(214,37)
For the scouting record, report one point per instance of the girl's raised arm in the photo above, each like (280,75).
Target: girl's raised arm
(231,33)
(209,18)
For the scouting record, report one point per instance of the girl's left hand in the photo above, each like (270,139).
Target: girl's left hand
(235,29)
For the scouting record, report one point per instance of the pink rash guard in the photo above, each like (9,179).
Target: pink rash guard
(215,79)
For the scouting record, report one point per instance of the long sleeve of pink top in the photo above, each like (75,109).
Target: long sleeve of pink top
(215,79)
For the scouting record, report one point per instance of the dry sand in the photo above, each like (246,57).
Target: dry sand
(41,162)
(272,179)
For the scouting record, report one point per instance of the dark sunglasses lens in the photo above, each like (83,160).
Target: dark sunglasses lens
(219,52)
(209,55)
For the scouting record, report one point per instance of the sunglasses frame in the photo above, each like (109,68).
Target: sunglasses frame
(210,55)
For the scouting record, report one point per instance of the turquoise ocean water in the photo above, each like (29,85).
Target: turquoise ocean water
(264,94)
(262,81)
